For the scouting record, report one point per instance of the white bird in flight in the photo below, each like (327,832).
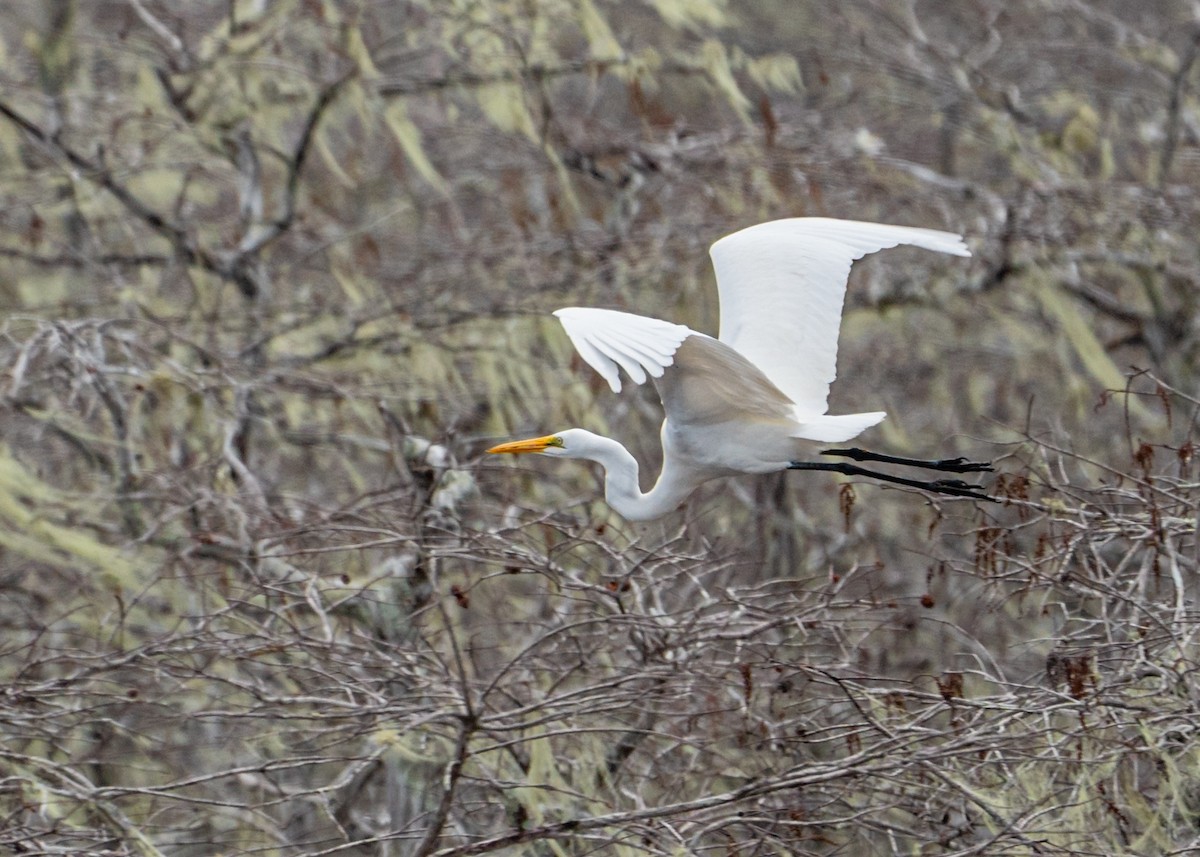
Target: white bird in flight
(746,401)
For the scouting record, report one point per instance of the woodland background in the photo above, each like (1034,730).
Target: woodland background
(274,273)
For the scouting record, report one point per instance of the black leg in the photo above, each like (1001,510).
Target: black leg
(948,465)
(954,487)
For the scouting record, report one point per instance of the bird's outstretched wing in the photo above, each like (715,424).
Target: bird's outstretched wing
(707,382)
(605,339)
(781,287)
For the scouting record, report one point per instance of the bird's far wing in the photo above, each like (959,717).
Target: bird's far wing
(607,339)
(782,284)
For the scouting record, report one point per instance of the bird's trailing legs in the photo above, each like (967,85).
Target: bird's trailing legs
(946,465)
(953,487)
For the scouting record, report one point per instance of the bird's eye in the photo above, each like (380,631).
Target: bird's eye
(557,441)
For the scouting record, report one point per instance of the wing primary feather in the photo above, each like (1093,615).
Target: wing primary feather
(652,359)
(611,340)
(595,358)
(616,352)
(866,238)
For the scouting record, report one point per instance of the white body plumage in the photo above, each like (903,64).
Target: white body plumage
(744,401)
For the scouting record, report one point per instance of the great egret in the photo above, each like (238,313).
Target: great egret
(746,401)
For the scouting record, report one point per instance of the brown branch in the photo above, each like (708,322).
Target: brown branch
(466,728)
(535,72)
(295,167)
(237,267)
(97,173)
(76,261)
(1175,105)
(887,754)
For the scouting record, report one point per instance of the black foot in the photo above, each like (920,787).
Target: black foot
(947,465)
(953,487)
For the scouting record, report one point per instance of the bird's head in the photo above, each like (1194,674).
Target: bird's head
(572,443)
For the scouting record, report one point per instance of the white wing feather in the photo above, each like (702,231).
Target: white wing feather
(781,287)
(607,339)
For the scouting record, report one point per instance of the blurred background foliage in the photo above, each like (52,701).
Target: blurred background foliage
(276,271)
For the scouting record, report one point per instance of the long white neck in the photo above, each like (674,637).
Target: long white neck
(621,489)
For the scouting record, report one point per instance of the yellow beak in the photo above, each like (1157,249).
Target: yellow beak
(533,444)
